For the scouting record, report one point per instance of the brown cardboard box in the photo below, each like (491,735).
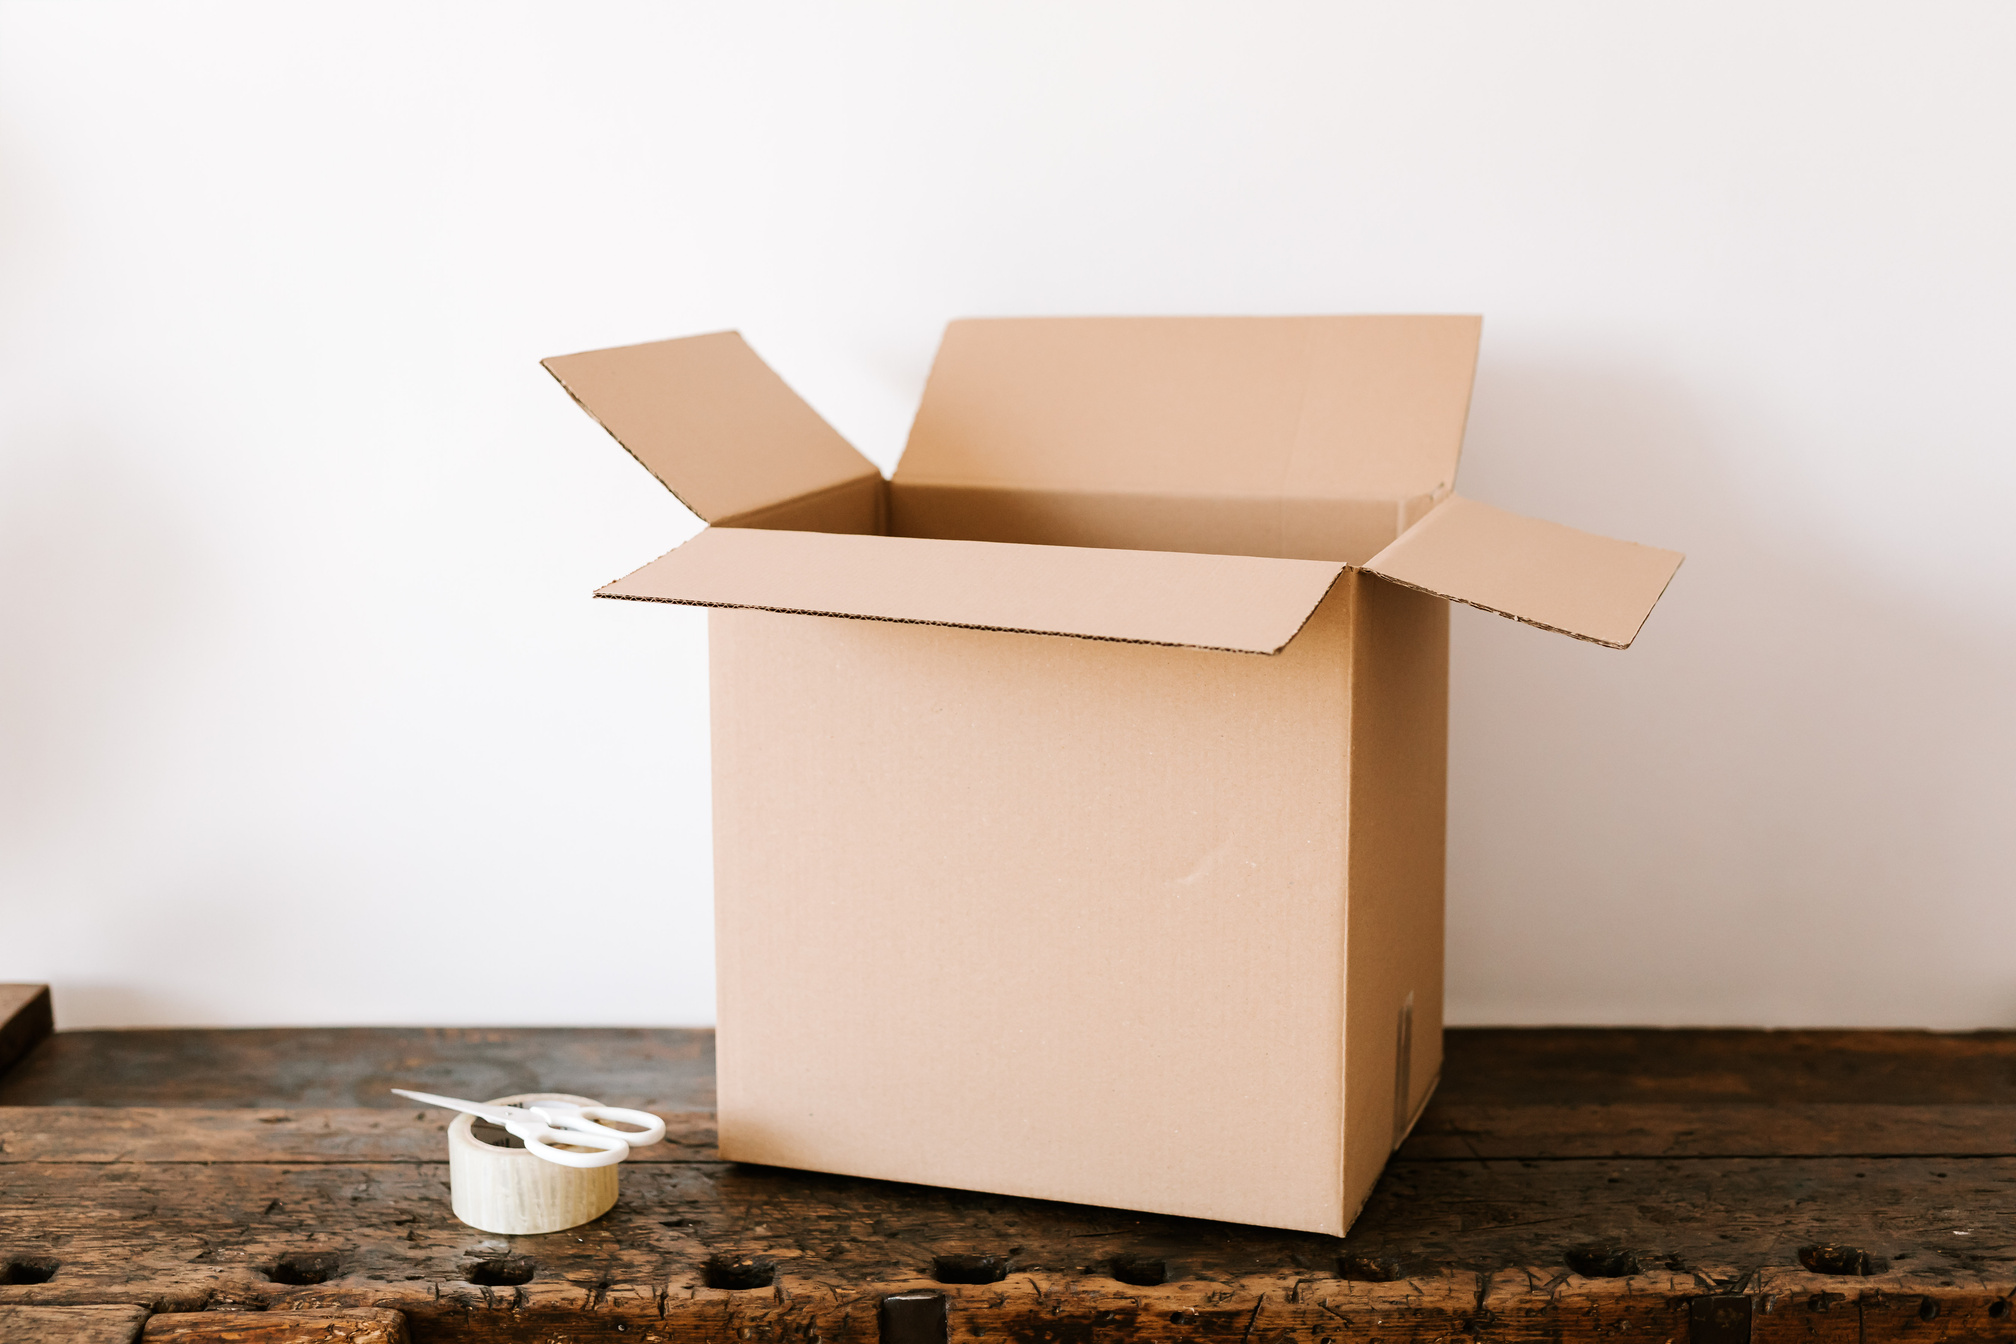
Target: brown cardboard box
(1148,915)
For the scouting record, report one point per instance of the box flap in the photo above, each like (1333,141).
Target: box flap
(1243,604)
(1544,574)
(712,421)
(1245,407)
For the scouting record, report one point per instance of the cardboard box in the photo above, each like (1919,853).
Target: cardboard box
(1079,791)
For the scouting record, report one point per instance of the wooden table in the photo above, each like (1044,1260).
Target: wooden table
(1713,1187)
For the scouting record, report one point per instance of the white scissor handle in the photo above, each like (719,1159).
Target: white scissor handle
(541,1138)
(653,1127)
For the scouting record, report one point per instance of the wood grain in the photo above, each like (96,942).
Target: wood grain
(1455,1132)
(1558,1066)
(357,1325)
(1445,1133)
(111,1134)
(666,1069)
(70,1325)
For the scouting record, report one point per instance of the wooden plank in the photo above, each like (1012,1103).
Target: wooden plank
(70,1325)
(343,1066)
(1796,1307)
(357,1325)
(141,1134)
(1458,1132)
(1608,1065)
(157,1134)
(672,1068)
(1491,1242)
(658,1069)
(26,1020)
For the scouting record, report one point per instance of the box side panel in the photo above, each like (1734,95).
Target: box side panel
(1350,530)
(1399,787)
(1047,917)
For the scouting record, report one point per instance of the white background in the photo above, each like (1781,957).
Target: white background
(306,715)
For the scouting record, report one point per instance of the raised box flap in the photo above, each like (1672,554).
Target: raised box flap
(1544,574)
(716,424)
(1241,604)
(1234,407)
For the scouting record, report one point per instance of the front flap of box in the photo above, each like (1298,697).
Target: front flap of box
(1233,407)
(712,421)
(1241,604)
(1541,573)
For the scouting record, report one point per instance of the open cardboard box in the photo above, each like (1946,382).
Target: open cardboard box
(1079,791)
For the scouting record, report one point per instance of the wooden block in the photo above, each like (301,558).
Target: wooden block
(26,1020)
(359,1325)
(70,1325)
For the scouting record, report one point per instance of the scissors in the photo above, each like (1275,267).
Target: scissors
(544,1123)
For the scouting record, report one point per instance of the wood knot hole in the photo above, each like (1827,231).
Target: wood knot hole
(1139,1271)
(29,1269)
(969,1268)
(303,1269)
(738,1273)
(1830,1258)
(1999,1308)
(1371,1268)
(1928,1308)
(1602,1260)
(505,1271)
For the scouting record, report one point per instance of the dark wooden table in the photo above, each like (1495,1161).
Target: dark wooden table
(1714,1187)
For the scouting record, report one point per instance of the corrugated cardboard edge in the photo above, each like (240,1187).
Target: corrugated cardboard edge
(1173,599)
(866,472)
(1455,523)
(1002,629)
(1528,620)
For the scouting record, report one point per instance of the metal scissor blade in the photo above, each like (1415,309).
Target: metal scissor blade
(496,1115)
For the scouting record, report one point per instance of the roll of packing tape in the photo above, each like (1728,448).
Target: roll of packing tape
(514,1191)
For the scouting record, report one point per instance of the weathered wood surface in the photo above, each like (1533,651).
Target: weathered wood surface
(102,1134)
(1476,1244)
(1603,1065)
(26,1020)
(70,1325)
(1451,1132)
(655,1070)
(1496,1222)
(1446,1133)
(358,1325)
(673,1068)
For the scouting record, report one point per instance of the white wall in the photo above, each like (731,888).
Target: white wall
(305,715)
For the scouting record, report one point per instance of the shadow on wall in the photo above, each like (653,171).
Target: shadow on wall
(1789,804)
